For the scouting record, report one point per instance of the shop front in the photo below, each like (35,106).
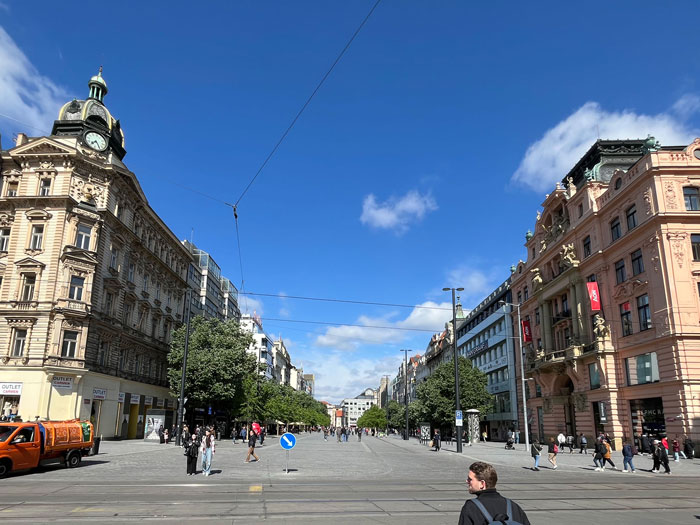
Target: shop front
(648,417)
(10,394)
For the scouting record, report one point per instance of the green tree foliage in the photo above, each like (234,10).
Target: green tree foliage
(437,394)
(217,363)
(375,417)
(283,403)
(396,417)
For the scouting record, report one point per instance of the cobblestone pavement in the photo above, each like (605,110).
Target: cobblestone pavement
(384,480)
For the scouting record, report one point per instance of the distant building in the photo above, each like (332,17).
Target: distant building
(353,408)
(309,384)
(262,347)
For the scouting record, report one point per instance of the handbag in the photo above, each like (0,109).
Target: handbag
(432,443)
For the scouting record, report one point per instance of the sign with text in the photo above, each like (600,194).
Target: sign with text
(122,395)
(594,296)
(161,402)
(10,389)
(458,418)
(99,393)
(148,400)
(483,345)
(135,399)
(62,382)
(527,333)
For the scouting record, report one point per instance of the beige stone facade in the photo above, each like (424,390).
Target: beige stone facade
(634,366)
(93,282)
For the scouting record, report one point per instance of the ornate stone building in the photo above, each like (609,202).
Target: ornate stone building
(627,217)
(93,281)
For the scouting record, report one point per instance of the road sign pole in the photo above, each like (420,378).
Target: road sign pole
(287,469)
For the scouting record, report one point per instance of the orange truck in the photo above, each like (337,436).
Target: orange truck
(28,445)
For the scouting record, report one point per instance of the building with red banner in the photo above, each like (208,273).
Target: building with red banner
(610,289)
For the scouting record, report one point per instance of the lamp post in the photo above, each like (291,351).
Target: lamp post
(405,388)
(454,349)
(181,403)
(522,371)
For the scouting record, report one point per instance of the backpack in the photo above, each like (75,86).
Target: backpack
(556,449)
(489,519)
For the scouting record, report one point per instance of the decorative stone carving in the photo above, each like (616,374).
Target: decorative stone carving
(648,202)
(536,280)
(600,329)
(580,401)
(678,242)
(6,220)
(568,255)
(87,191)
(570,187)
(650,145)
(547,405)
(670,195)
(46,165)
(543,246)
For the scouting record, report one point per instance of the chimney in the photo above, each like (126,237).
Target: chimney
(21,139)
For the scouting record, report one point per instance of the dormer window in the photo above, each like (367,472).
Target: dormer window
(45,187)
(12,189)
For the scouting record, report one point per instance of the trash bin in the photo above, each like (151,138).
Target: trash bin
(95,446)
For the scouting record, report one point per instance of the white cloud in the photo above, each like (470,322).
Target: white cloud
(249,304)
(550,158)
(26,97)
(396,214)
(338,376)
(431,318)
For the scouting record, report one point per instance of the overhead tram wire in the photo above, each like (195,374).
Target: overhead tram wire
(325,323)
(308,101)
(347,301)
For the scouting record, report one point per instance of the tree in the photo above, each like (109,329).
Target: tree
(396,416)
(437,393)
(372,418)
(217,363)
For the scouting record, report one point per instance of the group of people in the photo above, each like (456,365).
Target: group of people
(658,449)
(202,441)
(10,411)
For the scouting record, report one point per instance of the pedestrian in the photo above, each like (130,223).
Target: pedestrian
(243,433)
(606,455)
(166,436)
(689,447)
(536,450)
(263,433)
(325,433)
(627,455)
(660,457)
(561,441)
(646,445)
(252,438)
(344,433)
(436,440)
(583,444)
(161,434)
(552,451)
(488,506)
(484,435)
(359,434)
(570,443)
(338,434)
(191,444)
(664,442)
(208,448)
(598,452)
(676,447)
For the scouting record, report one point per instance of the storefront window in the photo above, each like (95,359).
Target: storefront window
(648,416)
(594,375)
(642,369)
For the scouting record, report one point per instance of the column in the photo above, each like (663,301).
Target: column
(547,325)
(575,318)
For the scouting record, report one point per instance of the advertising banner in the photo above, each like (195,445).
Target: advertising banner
(122,395)
(10,389)
(148,400)
(135,399)
(99,393)
(62,382)
(527,332)
(594,295)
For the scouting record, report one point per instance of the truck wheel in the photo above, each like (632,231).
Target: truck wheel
(73,459)
(5,467)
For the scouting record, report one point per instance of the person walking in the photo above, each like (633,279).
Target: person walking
(252,438)
(208,447)
(536,451)
(488,506)
(627,455)
(243,433)
(645,444)
(570,443)
(325,433)
(606,455)
(552,451)
(338,434)
(263,433)
(689,447)
(561,441)
(583,444)
(359,434)
(436,440)
(161,434)
(676,447)
(660,457)
(191,444)
(664,442)
(598,452)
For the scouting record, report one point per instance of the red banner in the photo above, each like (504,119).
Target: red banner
(594,295)
(527,333)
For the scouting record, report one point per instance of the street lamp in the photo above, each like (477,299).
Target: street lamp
(405,388)
(454,348)
(522,371)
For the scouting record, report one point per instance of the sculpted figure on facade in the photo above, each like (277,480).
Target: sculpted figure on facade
(536,279)
(568,255)
(600,329)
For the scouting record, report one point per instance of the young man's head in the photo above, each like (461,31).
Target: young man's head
(481,476)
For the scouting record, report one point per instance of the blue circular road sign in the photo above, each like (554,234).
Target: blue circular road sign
(287,441)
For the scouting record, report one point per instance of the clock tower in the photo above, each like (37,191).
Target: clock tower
(91,121)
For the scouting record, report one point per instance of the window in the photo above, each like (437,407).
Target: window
(537,316)
(692,200)
(102,353)
(158,291)
(76,288)
(37,237)
(12,188)
(28,287)
(525,293)
(643,311)
(122,359)
(580,210)
(620,274)
(132,269)
(591,278)
(594,375)
(615,229)
(128,309)
(114,258)
(694,241)
(564,304)
(109,302)
(626,318)
(70,343)
(642,369)
(18,346)
(587,246)
(638,262)
(45,187)
(4,239)
(631,214)
(145,282)
(82,238)
(618,183)
(520,297)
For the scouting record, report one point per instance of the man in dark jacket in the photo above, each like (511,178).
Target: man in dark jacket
(482,481)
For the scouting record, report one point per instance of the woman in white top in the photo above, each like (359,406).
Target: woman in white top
(208,448)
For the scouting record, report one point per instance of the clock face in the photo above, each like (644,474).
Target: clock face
(95,141)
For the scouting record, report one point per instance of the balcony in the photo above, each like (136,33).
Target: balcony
(552,360)
(561,316)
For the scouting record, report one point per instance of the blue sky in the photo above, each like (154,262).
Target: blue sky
(419,164)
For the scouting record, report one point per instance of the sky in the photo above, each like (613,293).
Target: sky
(419,164)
